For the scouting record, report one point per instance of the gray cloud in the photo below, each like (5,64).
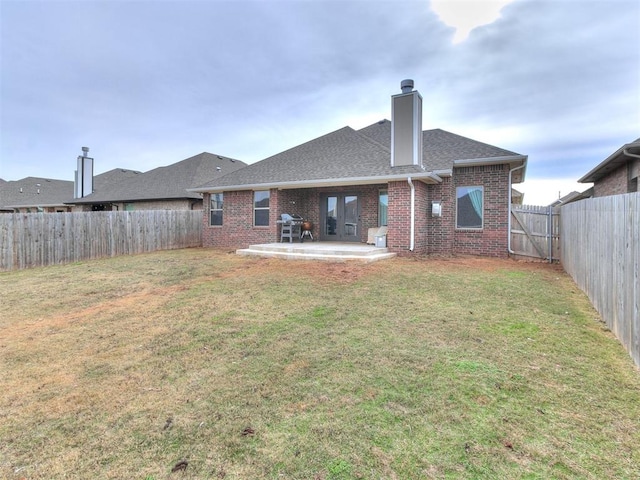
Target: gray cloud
(150,83)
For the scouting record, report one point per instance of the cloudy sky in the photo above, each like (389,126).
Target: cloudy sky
(149,83)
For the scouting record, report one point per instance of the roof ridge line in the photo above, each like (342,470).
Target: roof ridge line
(372,141)
(346,127)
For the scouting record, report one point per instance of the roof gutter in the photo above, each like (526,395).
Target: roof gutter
(427,177)
(629,154)
(509,214)
(36,205)
(472,162)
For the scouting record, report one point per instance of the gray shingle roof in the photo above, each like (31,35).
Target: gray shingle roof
(53,193)
(34,192)
(164,183)
(340,154)
(440,148)
(350,154)
(114,176)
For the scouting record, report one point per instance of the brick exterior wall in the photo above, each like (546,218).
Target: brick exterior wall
(433,235)
(492,239)
(399,218)
(440,230)
(619,181)
(238,231)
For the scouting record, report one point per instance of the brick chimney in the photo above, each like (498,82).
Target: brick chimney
(406,126)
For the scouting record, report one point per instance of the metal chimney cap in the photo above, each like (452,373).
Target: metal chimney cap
(85,149)
(406,85)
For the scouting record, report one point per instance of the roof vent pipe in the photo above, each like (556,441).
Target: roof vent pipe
(406,86)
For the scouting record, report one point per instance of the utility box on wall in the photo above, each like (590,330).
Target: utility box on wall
(381,241)
(436,209)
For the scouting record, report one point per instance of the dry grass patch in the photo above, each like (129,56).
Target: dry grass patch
(218,366)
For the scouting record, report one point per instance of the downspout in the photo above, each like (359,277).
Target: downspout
(413,215)
(509,216)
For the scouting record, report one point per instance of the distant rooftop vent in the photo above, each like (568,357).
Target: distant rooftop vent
(406,85)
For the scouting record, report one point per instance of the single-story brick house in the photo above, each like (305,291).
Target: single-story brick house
(618,173)
(435,191)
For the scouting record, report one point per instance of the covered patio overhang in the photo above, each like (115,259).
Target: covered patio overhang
(429,178)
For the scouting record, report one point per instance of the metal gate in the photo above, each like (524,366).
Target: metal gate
(535,232)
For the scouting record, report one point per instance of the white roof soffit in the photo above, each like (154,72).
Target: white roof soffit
(608,164)
(427,177)
(476,162)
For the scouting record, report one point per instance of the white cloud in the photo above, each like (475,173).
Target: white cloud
(465,15)
(543,191)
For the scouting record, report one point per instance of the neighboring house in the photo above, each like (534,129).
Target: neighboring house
(163,188)
(618,173)
(48,195)
(435,191)
(517,197)
(35,194)
(572,197)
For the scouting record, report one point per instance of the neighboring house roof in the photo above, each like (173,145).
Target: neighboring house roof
(164,183)
(516,196)
(569,197)
(347,157)
(573,197)
(613,161)
(34,192)
(53,193)
(114,176)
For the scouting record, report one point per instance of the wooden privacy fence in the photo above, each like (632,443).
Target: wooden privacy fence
(40,239)
(535,231)
(601,251)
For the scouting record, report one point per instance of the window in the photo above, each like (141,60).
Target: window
(216,209)
(469,207)
(261,208)
(383,207)
(129,207)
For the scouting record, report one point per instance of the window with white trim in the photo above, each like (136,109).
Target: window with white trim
(469,207)
(383,207)
(261,208)
(216,209)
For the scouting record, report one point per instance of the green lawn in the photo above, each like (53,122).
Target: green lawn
(246,368)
